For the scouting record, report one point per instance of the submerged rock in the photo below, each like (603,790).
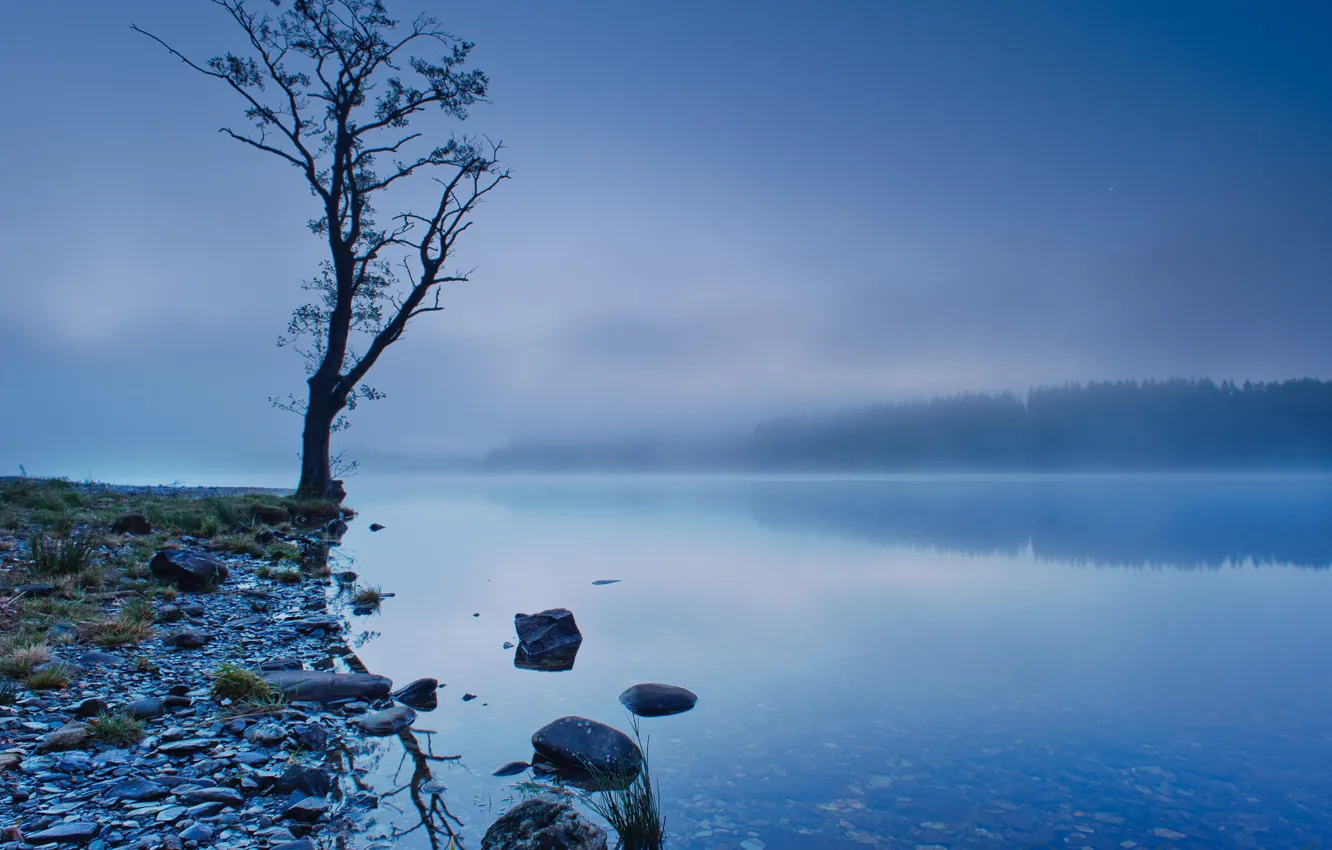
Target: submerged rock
(543,823)
(655,700)
(547,631)
(390,721)
(513,768)
(581,743)
(188,569)
(322,686)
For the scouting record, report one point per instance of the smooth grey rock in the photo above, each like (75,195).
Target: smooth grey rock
(266,734)
(188,569)
(390,721)
(225,796)
(139,790)
(186,747)
(198,832)
(656,700)
(145,709)
(543,823)
(105,659)
(79,832)
(513,768)
(308,810)
(322,686)
(188,639)
(581,743)
(71,736)
(91,707)
(421,694)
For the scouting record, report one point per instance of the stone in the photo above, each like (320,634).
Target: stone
(169,613)
(656,700)
(80,832)
(345,577)
(132,524)
(419,694)
(310,736)
(312,781)
(301,844)
(336,528)
(309,625)
(513,768)
(543,823)
(145,709)
(547,631)
(390,721)
(374,526)
(188,569)
(266,734)
(197,832)
(71,736)
(35,589)
(309,810)
(581,743)
(139,790)
(468,697)
(321,686)
(555,661)
(91,707)
(219,794)
(188,639)
(187,747)
(96,657)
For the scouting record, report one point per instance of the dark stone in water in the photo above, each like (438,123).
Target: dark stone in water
(654,700)
(132,524)
(311,781)
(468,697)
(513,768)
(188,569)
(308,810)
(374,526)
(543,823)
(550,662)
(603,581)
(345,577)
(364,610)
(582,743)
(420,695)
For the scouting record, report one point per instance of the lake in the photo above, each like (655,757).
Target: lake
(900,663)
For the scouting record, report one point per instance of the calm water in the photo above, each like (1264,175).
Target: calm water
(900,663)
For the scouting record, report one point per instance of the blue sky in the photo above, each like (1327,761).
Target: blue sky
(720,211)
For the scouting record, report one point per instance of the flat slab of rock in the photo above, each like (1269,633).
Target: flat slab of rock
(80,832)
(543,823)
(139,790)
(308,810)
(655,700)
(390,721)
(188,569)
(71,736)
(587,744)
(323,686)
(189,746)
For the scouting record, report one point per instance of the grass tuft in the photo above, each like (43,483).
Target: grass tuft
(132,624)
(19,661)
(288,576)
(118,730)
(633,810)
(69,556)
(9,691)
(233,682)
(370,596)
(50,678)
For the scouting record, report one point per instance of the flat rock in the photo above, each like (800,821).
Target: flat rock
(656,700)
(321,686)
(390,721)
(543,823)
(309,625)
(587,744)
(80,832)
(312,781)
(219,794)
(197,832)
(98,658)
(308,810)
(139,790)
(186,747)
(71,736)
(188,569)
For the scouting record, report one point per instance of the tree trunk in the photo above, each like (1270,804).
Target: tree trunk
(316,472)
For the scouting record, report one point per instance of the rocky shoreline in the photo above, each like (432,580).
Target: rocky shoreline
(209,769)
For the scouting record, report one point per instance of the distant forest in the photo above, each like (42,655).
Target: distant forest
(1112,426)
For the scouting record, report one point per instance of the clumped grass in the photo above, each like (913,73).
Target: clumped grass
(118,730)
(288,576)
(9,691)
(18,662)
(144,664)
(263,571)
(50,678)
(132,624)
(370,596)
(633,810)
(59,557)
(246,688)
(239,544)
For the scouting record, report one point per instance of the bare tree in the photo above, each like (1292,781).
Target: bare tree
(331,87)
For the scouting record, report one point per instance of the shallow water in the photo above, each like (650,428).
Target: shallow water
(900,663)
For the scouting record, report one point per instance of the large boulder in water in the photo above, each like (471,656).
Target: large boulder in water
(319,686)
(188,569)
(582,743)
(543,823)
(420,695)
(655,700)
(547,640)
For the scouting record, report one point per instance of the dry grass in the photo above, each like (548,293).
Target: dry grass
(52,677)
(18,662)
(118,730)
